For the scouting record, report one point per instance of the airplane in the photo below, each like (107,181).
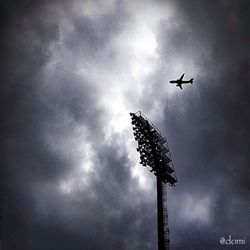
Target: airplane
(179,81)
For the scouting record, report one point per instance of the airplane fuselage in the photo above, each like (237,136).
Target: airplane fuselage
(180,82)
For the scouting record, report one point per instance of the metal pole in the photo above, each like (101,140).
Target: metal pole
(162,215)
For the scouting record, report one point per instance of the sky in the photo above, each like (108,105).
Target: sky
(71,71)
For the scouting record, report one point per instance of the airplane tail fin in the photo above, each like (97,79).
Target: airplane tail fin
(191,80)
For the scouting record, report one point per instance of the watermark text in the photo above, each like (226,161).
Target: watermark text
(232,241)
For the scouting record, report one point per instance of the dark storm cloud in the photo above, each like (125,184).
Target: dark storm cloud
(25,159)
(210,139)
(45,101)
(37,105)
(100,221)
(91,35)
(10,9)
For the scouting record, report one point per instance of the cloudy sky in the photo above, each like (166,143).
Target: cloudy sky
(71,71)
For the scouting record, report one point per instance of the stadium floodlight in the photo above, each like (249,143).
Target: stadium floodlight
(155,154)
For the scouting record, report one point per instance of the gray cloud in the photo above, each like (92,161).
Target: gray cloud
(43,107)
(67,175)
(209,140)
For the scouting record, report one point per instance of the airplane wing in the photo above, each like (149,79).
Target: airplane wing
(181,77)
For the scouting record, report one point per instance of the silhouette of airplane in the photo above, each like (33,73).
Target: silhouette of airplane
(179,81)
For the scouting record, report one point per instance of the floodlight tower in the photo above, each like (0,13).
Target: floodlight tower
(154,153)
